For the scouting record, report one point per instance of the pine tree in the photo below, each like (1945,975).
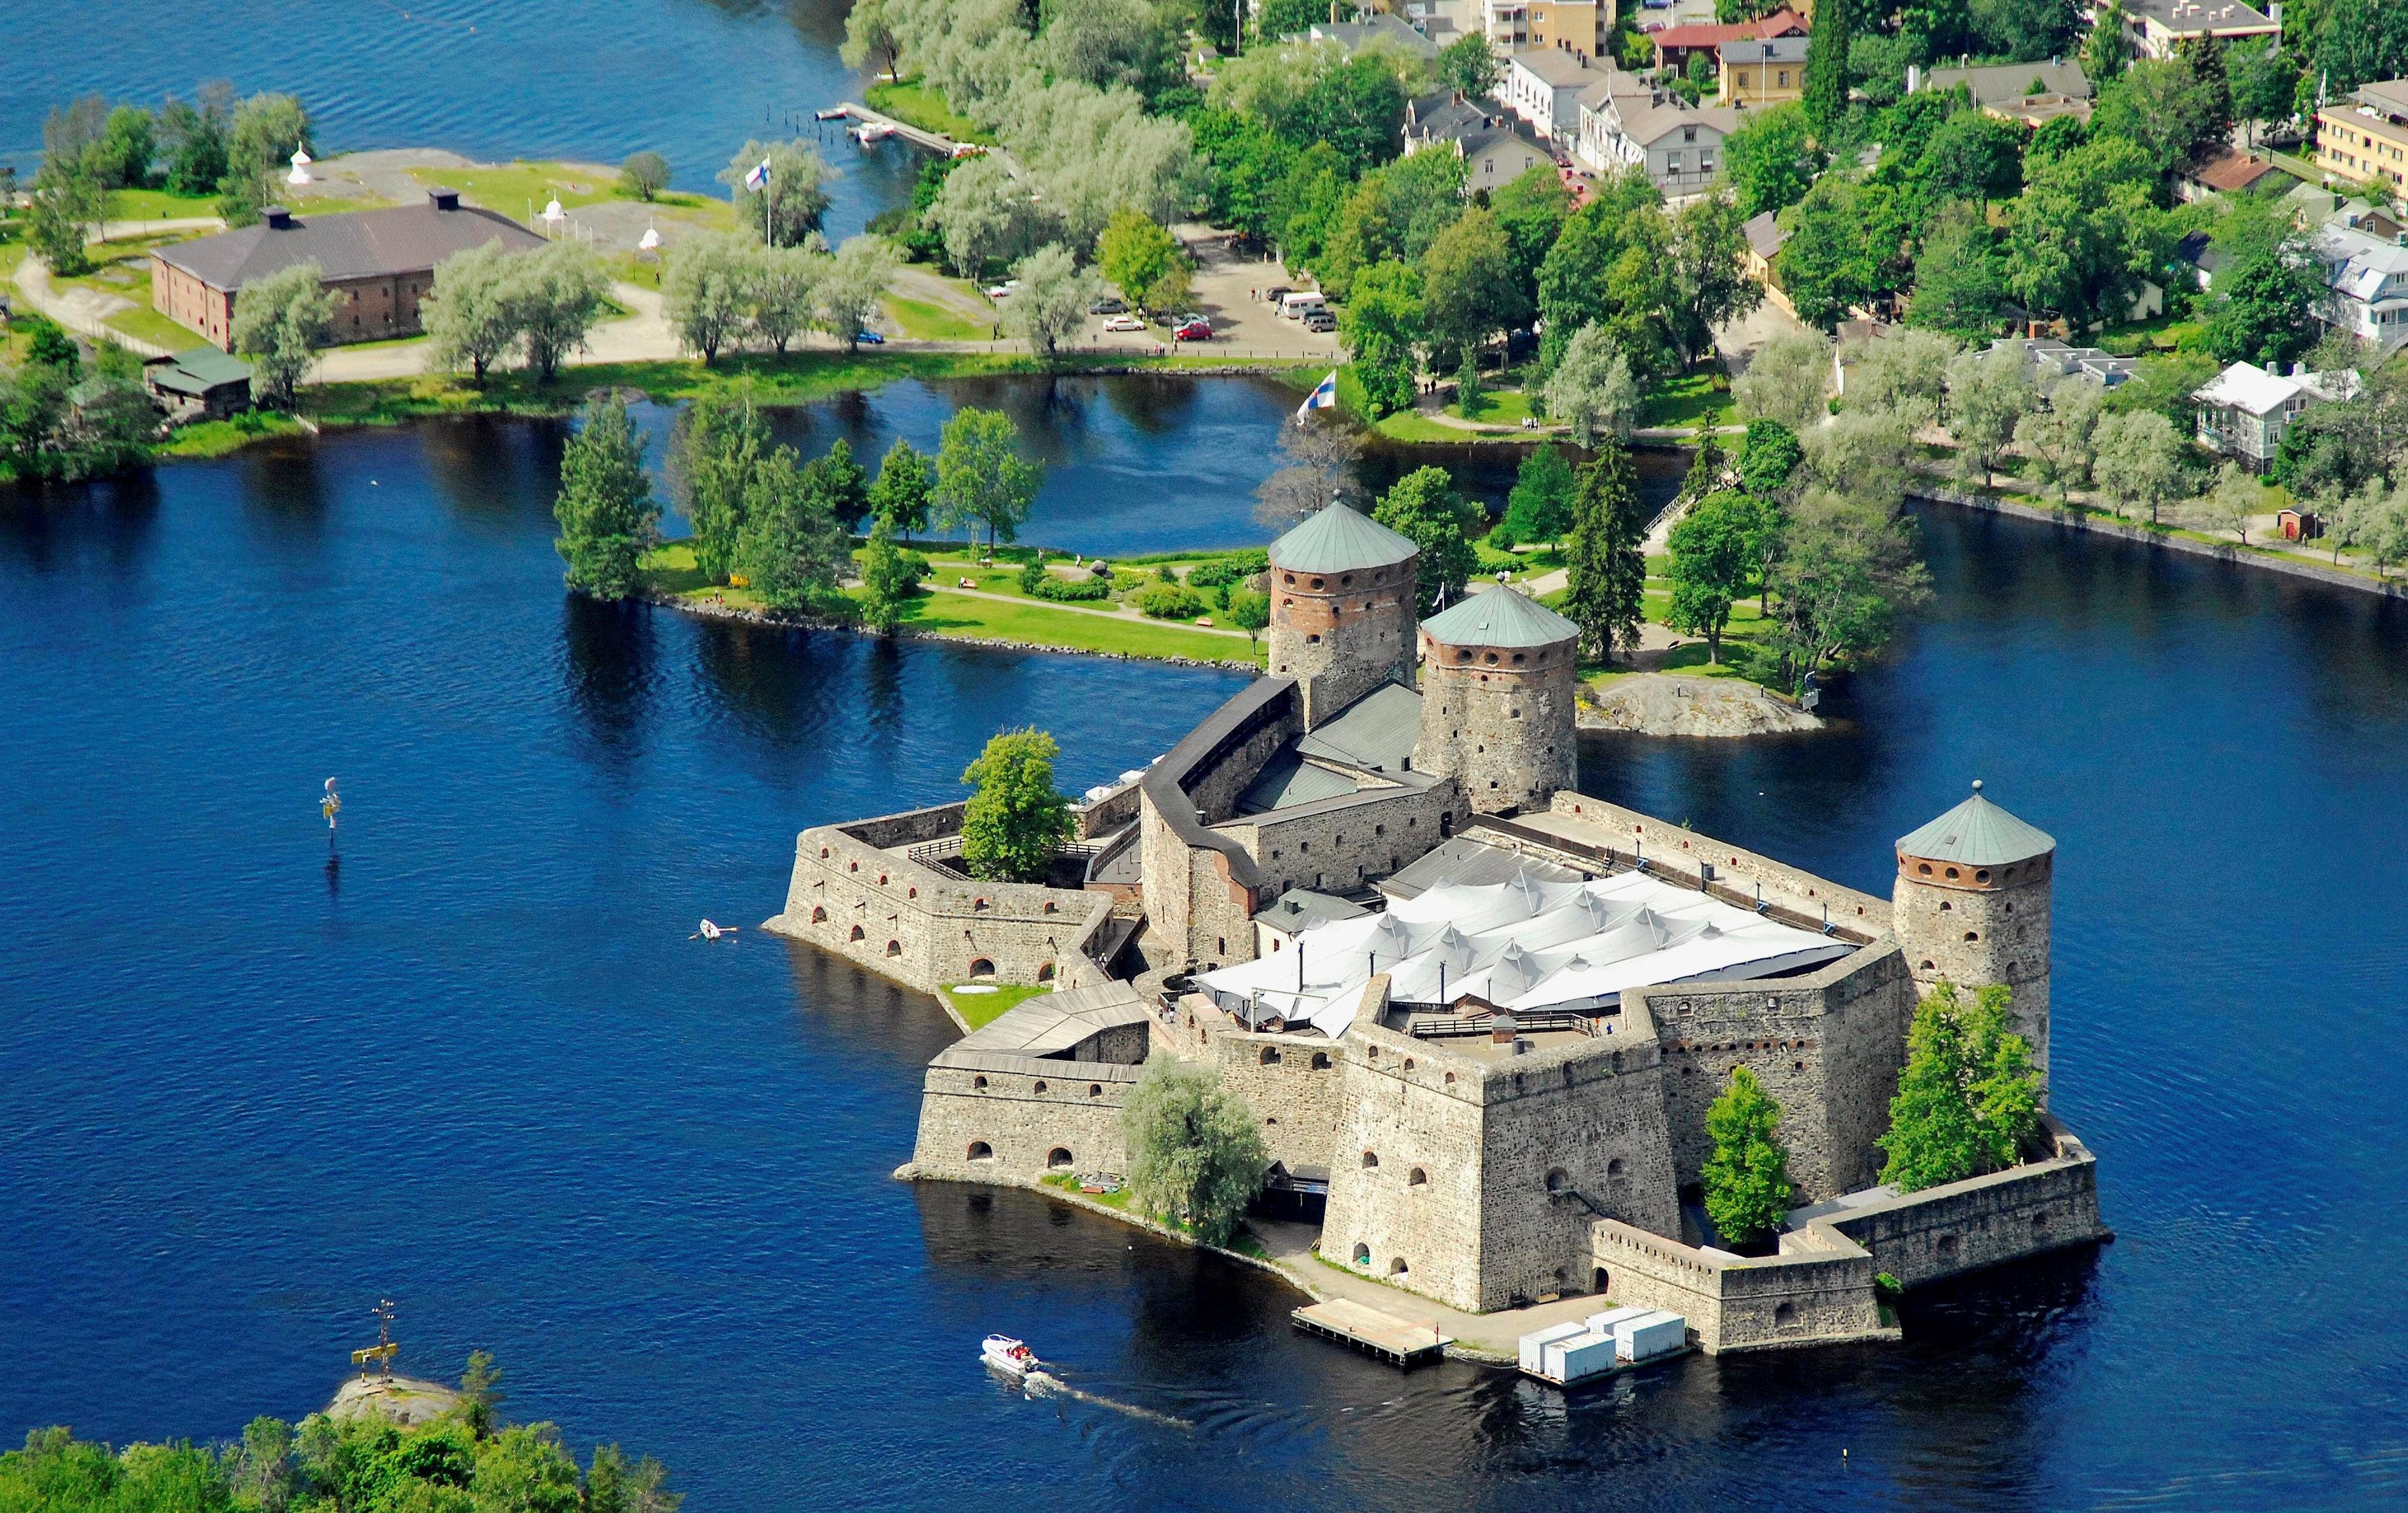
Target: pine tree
(607,514)
(1015,819)
(846,485)
(1969,1097)
(888,576)
(1826,70)
(1608,569)
(1746,1172)
(719,443)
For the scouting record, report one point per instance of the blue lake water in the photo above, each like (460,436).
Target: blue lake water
(470,1061)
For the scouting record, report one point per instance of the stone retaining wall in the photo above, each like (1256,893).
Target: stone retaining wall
(1020,1119)
(1677,852)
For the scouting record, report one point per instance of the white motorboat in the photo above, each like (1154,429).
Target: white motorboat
(1011,1357)
(873,131)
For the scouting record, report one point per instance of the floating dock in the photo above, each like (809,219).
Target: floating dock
(1401,1342)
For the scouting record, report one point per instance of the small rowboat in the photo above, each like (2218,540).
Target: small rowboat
(836,112)
(1008,1356)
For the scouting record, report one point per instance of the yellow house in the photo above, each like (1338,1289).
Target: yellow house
(2366,135)
(1763,70)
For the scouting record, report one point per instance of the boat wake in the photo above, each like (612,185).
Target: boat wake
(1045,1384)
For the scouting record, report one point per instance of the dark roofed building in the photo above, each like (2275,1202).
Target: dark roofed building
(204,382)
(378,264)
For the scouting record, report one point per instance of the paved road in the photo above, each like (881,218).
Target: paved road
(78,309)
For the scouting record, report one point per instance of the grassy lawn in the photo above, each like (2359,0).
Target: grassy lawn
(122,269)
(1405,425)
(157,205)
(2164,334)
(1701,398)
(916,105)
(979,1009)
(143,323)
(1035,622)
(1497,407)
(216,438)
(923,320)
(519,190)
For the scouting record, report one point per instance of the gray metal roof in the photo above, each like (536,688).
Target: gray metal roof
(1977,832)
(1300,908)
(1340,539)
(1470,862)
(355,244)
(1376,730)
(1501,615)
(1288,779)
(1053,1023)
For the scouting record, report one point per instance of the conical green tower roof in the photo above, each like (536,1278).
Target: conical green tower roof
(1339,540)
(1501,615)
(1977,832)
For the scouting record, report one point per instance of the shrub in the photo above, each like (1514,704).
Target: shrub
(1214,575)
(1063,591)
(1033,576)
(1169,601)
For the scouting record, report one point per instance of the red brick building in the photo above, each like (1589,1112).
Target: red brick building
(378,264)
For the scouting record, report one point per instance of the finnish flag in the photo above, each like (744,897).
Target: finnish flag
(759,176)
(1323,396)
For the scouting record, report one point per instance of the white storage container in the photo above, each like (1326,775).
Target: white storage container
(1650,1335)
(1534,1344)
(1603,1323)
(1582,1356)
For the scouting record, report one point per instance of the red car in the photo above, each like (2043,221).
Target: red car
(1193,328)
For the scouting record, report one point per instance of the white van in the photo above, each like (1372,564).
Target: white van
(1294,307)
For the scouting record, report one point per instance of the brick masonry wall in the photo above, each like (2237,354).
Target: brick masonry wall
(1342,635)
(1078,1111)
(1507,734)
(184,298)
(925,928)
(1828,1046)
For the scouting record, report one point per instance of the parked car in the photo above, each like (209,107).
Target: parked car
(870,338)
(1272,296)
(1109,304)
(1321,321)
(1004,289)
(1192,328)
(1123,323)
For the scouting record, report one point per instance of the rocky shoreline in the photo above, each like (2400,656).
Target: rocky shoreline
(1667,704)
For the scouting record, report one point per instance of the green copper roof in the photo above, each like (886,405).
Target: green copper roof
(1977,832)
(1500,616)
(1339,540)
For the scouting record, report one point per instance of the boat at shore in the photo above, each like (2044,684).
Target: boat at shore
(1008,1356)
(873,131)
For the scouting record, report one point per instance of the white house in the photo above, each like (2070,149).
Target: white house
(1496,148)
(2157,27)
(1544,87)
(1625,122)
(2244,412)
(2366,283)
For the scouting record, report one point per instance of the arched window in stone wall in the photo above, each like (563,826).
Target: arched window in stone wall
(1059,1159)
(1397,1266)
(819,915)
(1785,1316)
(1271,1056)
(857,934)
(1558,1180)
(979,1084)
(1362,1255)
(1614,1167)
(980,1151)
(1321,1060)
(1045,973)
(1416,1177)
(895,948)
(980,968)
(1371,1161)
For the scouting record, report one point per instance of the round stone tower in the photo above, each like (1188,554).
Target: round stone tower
(1341,608)
(1499,671)
(1972,906)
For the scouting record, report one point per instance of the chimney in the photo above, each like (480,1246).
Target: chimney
(1500,1027)
(277,216)
(443,199)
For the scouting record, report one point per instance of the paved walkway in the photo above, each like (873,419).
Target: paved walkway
(80,310)
(1491,1335)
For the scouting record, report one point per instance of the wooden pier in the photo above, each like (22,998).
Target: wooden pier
(1401,1342)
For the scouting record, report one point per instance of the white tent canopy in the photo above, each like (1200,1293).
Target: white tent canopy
(1522,944)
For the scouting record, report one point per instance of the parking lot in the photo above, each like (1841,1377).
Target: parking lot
(1226,293)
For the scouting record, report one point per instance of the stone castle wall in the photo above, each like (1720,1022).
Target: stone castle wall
(1980,933)
(923,927)
(1675,851)
(1947,1231)
(1023,1118)
(1342,635)
(1201,887)
(1828,1046)
(1291,1082)
(1820,1296)
(1345,842)
(1506,732)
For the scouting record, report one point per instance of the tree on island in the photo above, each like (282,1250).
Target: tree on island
(906,478)
(852,286)
(1015,819)
(644,175)
(889,576)
(1592,391)
(715,448)
(607,518)
(1424,507)
(1539,508)
(1196,1149)
(1747,1169)
(279,324)
(1970,1096)
(982,478)
(468,314)
(555,295)
(1250,612)
(705,290)
(267,130)
(792,542)
(1713,564)
(1608,567)
(792,190)
(1051,303)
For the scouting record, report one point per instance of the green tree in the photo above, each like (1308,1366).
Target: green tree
(2267,295)
(122,156)
(1972,155)
(1469,66)
(1847,572)
(1384,328)
(1847,247)
(1137,255)
(1611,267)
(1969,1097)
(1469,292)
(192,140)
(65,208)
(1015,819)
(279,324)
(2084,231)
(607,518)
(791,545)
(715,448)
(2162,106)
(2238,495)
(555,295)
(1710,284)
(524,1469)
(793,190)
(1531,209)
(1714,562)
(889,577)
(480,1392)
(267,130)
(1825,85)
(1988,392)
(2060,436)
(648,1490)
(1539,508)
(982,478)
(259,1469)
(1772,160)
(1958,284)
(2107,51)
(784,288)
(2137,461)
(1592,391)
(1051,303)
(906,478)
(605,1481)
(469,319)
(1789,380)
(1424,507)
(705,291)
(1608,568)
(854,284)
(1196,1149)
(1250,611)
(986,216)
(1746,1171)
(870,38)
(1468,393)
(644,175)
(1769,458)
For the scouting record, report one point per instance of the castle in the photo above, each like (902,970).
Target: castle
(1480,1014)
